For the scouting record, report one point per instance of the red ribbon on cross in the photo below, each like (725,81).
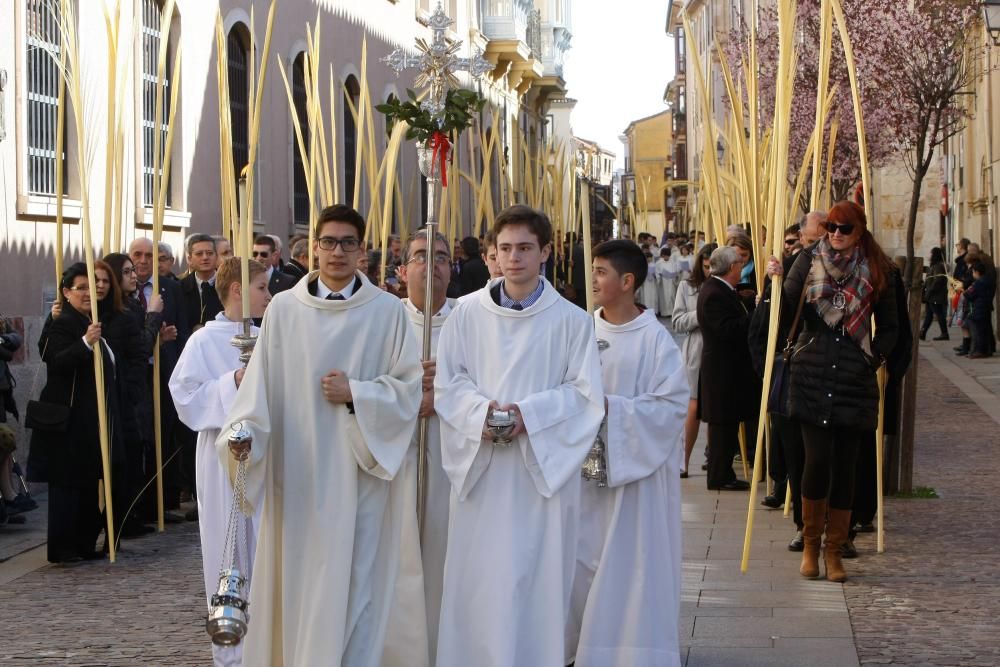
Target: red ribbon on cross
(440,146)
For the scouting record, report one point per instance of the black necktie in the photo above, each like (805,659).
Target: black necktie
(142,295)
(335,297)
(517,306)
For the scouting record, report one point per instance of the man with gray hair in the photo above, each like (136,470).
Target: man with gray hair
(223,250)
(728,391)
(165,260)
(812,227)
(297,266)
(426,555)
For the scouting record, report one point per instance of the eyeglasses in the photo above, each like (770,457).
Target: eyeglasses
(791,241)
(845,229)
(261,253)
(349,244)
(128,272)
(79,288)
(440,258)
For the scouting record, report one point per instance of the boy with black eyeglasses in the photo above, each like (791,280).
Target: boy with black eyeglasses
(331,398)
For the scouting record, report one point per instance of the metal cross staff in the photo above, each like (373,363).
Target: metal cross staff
(437,65)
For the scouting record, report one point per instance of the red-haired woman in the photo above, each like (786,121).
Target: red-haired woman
(833,391)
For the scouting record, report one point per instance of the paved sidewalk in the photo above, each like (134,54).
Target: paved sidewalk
(768,616)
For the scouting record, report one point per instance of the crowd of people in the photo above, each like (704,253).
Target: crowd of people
(333,532)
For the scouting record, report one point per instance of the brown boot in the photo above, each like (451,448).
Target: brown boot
(836,534)
(813,518)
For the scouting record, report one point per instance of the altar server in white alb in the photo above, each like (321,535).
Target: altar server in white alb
(203,386)
(515,345)
(330,398)
(626,595)
(413,623)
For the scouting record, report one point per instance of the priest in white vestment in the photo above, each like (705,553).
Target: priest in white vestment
(330,397)
(626,595)
(203,386)
(516,345)
(413,621)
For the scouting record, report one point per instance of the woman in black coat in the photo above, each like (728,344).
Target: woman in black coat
(936,295)
(833,391)
(137,407)
(69,460)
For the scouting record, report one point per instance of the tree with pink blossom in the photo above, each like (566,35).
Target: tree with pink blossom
(912,65)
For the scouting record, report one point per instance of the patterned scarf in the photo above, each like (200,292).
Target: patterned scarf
(846,272)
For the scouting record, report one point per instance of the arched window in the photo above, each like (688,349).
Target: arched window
(352,96)
(151,37)
(300,191)
(42,87)
(237,47)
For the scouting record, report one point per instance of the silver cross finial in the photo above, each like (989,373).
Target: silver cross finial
(438,63)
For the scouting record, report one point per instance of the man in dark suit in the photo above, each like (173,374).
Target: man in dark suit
(201,302)
(263,249)
(174,333)
(296,267)
(728,390)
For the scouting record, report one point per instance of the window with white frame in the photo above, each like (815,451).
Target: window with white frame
(42,82)
(151,39)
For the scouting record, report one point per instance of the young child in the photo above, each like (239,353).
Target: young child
(626,595)
(203,386)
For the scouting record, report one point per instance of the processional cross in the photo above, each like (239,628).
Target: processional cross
(437,63)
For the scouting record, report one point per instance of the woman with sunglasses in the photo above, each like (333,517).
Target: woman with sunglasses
(68,455)
(833,393)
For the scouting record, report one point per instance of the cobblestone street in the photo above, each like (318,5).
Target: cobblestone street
(148,608)
(931,598)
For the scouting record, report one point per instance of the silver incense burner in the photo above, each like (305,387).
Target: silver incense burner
(227,622)
(595,466)
(229,615)
(500,423)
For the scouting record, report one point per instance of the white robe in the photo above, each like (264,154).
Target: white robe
(203,388)
(649,294)
(328,546)
(666,274)
(626,595)
(411,640)
(514,509)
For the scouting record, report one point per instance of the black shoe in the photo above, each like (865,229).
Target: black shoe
(864,528)
(923,335)
(847,550)
(772,502)
(942,337)
(964,347)
(735,485)
(704,466)
(684,474)
(797,544)
(21,503)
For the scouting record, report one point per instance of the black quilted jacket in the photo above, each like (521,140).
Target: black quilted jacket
(832,380)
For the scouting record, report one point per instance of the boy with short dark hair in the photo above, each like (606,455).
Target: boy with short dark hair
(515,346)
(629,560)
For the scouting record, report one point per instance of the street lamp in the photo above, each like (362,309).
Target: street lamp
(991,13)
